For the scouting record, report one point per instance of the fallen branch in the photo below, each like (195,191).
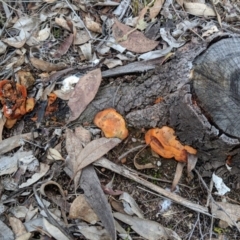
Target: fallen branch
(103,162)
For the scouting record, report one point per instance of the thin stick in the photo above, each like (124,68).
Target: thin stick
(103,162)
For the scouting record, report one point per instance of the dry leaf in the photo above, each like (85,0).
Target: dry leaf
(83,134)
(17,41)
(156,8)
(74,148)
(93,26)
(35,177)
(2,122)
(46,66)
(84,93)
(43,34)
(17,226)
(54,231)
(148,229)
(80,209)
(219,210)
(191,162)
(26,78)
(63,48)
(62,23)
(81,37)
(93,232)
(94,150)
(199,9)
(178,175)
(63,95)
(5,232)
(53,154)
(49,1)
(95,197)
(132,39)
(13,142)
(3,47)
(130,205)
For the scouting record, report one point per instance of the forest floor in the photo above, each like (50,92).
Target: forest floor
(55,56)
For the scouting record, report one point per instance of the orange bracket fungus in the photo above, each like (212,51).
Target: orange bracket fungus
(111,123)
(163,142)
(13,97)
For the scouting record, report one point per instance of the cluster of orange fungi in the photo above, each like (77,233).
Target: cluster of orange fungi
(161,140)
(13,97)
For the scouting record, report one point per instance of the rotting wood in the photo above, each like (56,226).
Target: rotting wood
(103,162)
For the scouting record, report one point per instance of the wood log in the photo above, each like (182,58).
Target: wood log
(202,109)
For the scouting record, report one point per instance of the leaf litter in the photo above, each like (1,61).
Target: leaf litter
(51,41)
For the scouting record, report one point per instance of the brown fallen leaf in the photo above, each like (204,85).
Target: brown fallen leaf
(74,148)
(199,9)
(227,212)
(94,150)
(46,66)
(178,175)
(132,39)
(17,227)
(148,229)
(93,26)
(62,23)
(26,78)
(155,9)
(84,92)
(80,209)
(95,197)
(63,48)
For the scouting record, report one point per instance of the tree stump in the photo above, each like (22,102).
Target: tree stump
(200,92)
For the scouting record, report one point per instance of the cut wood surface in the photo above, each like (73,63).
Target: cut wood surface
(171,81)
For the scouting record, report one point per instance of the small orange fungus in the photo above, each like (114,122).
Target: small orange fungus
(163,142)
(111,123)
(13,97)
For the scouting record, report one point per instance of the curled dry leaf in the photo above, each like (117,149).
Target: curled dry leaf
(199,9)
(80,209)
(163,142)
(132,39)
(112,123)
(46,66)
(84,92)
(130,205)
